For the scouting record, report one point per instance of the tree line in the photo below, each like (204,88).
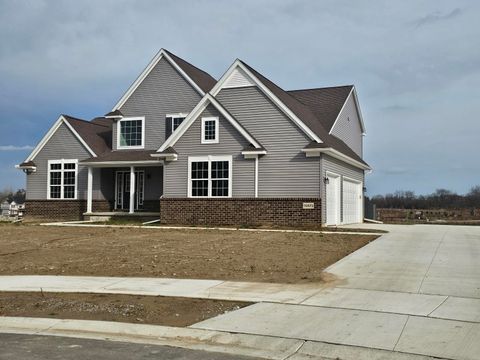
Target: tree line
(440,199)
(9,195)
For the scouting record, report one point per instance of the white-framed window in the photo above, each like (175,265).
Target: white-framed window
(176,120)
(210,176)
(62,179)
(131,133)
(210,130)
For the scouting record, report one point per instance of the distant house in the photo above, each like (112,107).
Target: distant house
(194,150)
(12,209)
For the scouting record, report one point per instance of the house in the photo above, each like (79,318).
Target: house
(12,209)
(193,150)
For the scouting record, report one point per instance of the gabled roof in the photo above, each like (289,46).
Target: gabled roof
(304,116)
(97,136)
(325,103)
(195,113)
(201,81)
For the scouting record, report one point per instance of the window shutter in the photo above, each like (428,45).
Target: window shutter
(168,127)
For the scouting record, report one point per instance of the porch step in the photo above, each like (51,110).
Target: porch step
(105,216)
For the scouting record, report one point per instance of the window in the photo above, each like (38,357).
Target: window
(131,133)
(177,120)
(62,179)
(209,130)
(210,176)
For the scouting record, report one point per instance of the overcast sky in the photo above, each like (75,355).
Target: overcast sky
(416,66)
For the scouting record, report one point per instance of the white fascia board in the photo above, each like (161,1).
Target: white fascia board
(122,163)
(61,120)
(338,155)
(79,138)
(219,86)
(357,104)
(167,157)
(195,113)
(161,54)
(352,93)
(341,110)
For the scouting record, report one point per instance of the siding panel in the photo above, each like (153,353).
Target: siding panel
(348,127)
(162,92)
(63,144)
(285,171)
(231,143)
(341,168)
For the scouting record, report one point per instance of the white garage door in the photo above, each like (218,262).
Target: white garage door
(352,202)
(333,199)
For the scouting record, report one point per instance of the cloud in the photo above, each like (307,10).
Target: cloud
(436,17)
(15,148)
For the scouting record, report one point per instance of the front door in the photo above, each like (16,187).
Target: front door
(122,192)
(333,199)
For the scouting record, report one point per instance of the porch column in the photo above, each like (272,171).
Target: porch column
(132,190)
(89,189)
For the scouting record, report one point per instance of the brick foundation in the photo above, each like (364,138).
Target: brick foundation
(62,209)
(240,212)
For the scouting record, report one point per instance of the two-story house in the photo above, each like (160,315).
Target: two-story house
(189,149)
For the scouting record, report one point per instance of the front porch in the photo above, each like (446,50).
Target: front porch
(123,189)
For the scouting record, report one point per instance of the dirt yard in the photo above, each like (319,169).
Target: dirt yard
(198,254)
(168,311)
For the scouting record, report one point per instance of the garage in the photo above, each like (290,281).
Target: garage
(352,201)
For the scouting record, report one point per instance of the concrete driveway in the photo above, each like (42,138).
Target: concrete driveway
(415,290)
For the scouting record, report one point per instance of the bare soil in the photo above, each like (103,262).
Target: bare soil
(198,254)
(158,310)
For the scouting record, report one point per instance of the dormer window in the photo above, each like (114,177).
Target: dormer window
(210,130)
(131,133)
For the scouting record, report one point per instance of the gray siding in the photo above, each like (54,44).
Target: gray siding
(348,127)
(162,92)
(285,171)
(231,143)
(341,168)
(63,144)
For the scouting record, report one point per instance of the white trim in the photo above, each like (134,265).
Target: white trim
(29,167)
(195,113)
(61,120)
(176,116)
(131,118)
(62,170)
(360,200)
(256,177)
(217,132)
(220,85)
(132,194)
(89,189)
(167,157)
(339,194)
(123,163)
(336,154)
(357,106)
(209,159)
(254,152)
(113,116)
(156,59)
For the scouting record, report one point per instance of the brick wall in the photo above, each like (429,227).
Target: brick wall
(240,212)
(62,209)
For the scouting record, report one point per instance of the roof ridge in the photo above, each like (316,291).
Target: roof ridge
(189,63)
(321,88)
(82,120)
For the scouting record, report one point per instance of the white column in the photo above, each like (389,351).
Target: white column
(256,176)
(132,190)
(89,189)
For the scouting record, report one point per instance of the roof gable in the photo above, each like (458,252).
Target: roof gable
(61,120)
(196,112)
(325,103)
(201,81)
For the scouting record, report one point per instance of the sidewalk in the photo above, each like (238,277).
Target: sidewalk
(191,288)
